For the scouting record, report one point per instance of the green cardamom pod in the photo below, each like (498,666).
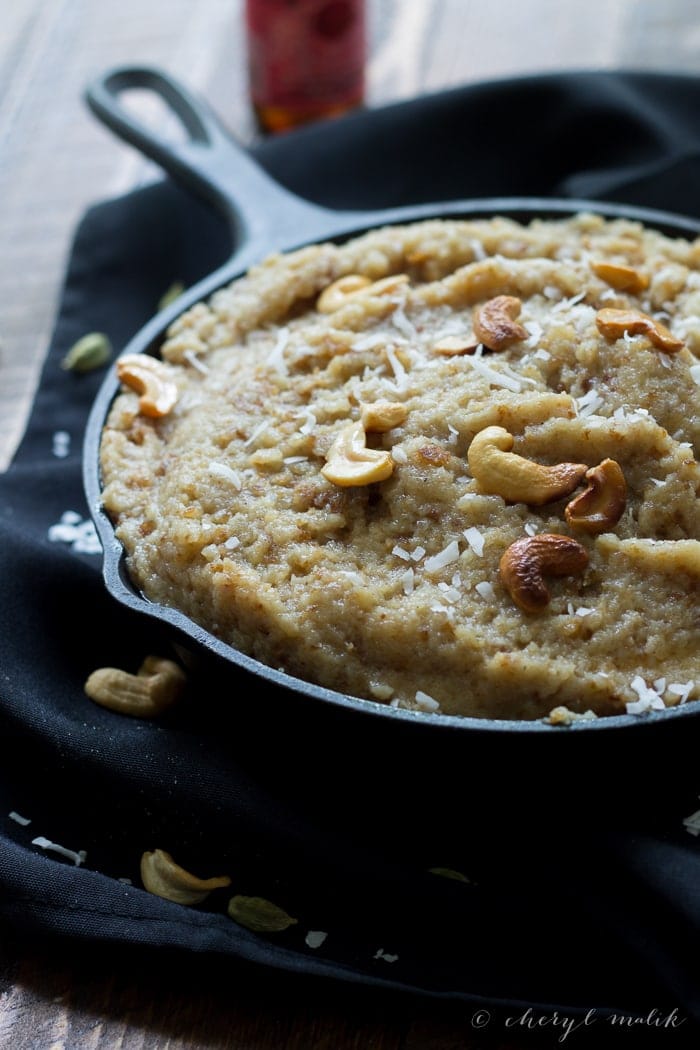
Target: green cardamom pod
(174,292)
(90,352)
(449,873)
(259,915)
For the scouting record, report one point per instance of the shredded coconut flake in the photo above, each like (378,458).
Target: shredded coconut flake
(381,954)
(535,330)
(681,690)
(221,470)
(19,819)
(256,434)
(403,324)
(53,847)
(408,581)
(398,455)
(589,403)
(60,444)
(445,557)
(193,360)
(397,368)
(401,552)
(565,304)
(418,553)
(81,535)
(649,699)
(494,377)
(231,543)
(475,539)
(308,424)
(695,373)
(485,589)
(692,823)
(315,938)
(426,702)
(370,341)
(478,250)
(275,358)
(351,575)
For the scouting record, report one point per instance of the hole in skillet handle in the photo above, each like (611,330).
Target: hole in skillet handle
(298,229)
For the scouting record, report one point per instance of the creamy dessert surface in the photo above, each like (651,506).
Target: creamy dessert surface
(333,487)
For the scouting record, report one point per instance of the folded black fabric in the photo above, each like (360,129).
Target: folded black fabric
(580,887)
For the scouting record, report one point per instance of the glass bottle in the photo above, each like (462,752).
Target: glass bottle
(306,59)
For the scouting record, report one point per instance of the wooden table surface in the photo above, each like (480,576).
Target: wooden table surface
(54,161)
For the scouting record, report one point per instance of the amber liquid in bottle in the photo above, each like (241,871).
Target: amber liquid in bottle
(306,59)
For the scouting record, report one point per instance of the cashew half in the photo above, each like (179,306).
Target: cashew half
(526,562)
(352,285)
(163,877)
(614,323)
(150,378)
(381,416)
(336,294)
(451,345)
(622,278)
(500,472)
(156,686)
(495,325)
(601,505)
(350,462)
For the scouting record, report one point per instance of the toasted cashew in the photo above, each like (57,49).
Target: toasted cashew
(335,295)
(526,562)
(150,378)
(163,877)
(350,462)
(381,416)
(614,323)
(495,325)
(500,472)
(622,278)
(600,506)
(156,686)
(347,288)
(451,345)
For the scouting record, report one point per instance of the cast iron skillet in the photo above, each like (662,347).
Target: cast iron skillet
(265,217)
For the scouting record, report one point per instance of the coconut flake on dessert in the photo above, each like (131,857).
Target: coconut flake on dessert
(226,473)
(475,538)
(426,702)
(275,359)
(485,589)
(443,558)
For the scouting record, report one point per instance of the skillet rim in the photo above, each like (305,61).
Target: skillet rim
(146,340)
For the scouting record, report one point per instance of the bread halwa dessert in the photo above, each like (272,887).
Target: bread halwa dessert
(449,466)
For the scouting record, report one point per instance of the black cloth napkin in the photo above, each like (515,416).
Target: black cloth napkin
(448,867)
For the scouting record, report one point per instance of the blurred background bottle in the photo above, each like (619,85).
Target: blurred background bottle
(306,59)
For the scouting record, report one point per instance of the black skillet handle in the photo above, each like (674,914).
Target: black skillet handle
(262,213)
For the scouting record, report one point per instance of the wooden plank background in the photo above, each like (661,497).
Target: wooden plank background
(55,160)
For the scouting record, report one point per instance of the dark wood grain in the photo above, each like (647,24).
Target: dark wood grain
(66,995)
